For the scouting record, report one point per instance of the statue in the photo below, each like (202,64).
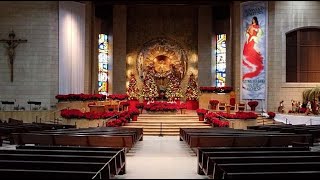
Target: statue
(281,107)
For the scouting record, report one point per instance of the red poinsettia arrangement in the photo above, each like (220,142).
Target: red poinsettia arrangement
(118,96)
(124,103)
(212,118)
(116,122)
(80,97)
(271,115)
(183,106)
(134,111)
(214,102)
(161,106)
(75,113)
(140,105)
(201,111)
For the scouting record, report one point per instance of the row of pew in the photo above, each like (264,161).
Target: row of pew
(258,162)
(314,130)
(62,162)
(15,126)
(92,137)
(227,137)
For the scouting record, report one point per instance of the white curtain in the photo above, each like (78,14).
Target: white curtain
(71,47)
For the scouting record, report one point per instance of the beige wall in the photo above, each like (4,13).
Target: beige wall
(283,17)
(36,62)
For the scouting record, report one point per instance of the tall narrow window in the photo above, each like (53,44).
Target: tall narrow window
(103,59)
(221,63)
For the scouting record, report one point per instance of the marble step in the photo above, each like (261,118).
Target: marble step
(168,127)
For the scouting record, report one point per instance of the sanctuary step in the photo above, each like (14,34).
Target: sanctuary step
(166,124)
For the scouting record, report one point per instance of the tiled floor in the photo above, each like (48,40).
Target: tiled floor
(161,158)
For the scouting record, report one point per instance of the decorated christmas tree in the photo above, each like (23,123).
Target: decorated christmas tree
(133,90)
(192,92)
(150,89)
(173,91)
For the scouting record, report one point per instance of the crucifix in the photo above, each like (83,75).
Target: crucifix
(10,45)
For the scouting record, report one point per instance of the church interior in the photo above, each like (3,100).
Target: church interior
(180,89)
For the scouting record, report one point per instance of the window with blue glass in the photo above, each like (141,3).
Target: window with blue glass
(221,62)
(103,67)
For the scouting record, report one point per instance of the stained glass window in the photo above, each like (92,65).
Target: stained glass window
(103,59)
(221,63)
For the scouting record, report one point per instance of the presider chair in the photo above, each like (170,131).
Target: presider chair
(222,106)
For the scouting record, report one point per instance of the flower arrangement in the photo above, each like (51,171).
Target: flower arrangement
(213,102)
(225,89)
(124,103)
(183,106)
(118,96)
(271,115)
(201,112)
(161,106)
(116,122)
(237,115)
(134,111)
(139,105)
(80,97)
(212,118)
(75,113)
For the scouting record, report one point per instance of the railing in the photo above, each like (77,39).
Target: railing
(160,135)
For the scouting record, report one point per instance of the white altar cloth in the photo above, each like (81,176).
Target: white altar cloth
(295,119)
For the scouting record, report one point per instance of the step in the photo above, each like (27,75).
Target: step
(166,123)
(169,125)
(164,134)
(167,120)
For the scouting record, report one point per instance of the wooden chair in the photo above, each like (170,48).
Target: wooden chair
(241,106)
(222,106)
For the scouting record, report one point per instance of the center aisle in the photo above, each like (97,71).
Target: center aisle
(161,158)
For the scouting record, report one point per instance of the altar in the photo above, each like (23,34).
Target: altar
(296,119)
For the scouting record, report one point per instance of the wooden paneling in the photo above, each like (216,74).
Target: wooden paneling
(303,55)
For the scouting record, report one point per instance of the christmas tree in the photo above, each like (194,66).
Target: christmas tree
(133,90)
(192,92)
(150,89)
(173,91)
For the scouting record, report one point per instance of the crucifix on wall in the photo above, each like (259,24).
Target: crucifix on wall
(10,45)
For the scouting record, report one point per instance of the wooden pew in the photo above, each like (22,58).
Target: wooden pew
(223,169)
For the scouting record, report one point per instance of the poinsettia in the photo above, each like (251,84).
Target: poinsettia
(134,111)
(140,105)
(253,103)
(213,102)
(271,115)
(161,106)
(118,96)
(201,111)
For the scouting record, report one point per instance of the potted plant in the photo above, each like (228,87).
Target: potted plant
(134,112)
(253,105)
(271,115)
(201,113)
(214,104)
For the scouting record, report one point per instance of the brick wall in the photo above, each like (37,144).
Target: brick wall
(36,62)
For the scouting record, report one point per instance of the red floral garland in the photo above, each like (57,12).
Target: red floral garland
(118,96)
(161,106)
(75,113)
